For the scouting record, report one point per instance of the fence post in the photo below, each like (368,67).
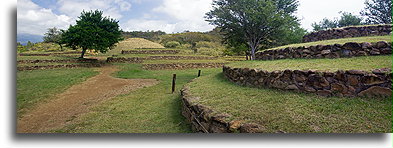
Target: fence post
(173,83)
(199,73)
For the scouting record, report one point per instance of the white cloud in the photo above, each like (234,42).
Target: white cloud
(181,15)
(112,8)
(33,19)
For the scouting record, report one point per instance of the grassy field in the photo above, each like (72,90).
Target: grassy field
(182,61)
(149,110)
(40,85)
(367,63)
(370,39)
(293,112)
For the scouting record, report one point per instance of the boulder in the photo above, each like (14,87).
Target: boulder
(252,128)
(325,52)
(376,91)
(352,46)
(381,44)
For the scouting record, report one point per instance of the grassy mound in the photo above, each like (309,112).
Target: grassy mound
(370,39)
(138,43)
(367,63)
(290,112)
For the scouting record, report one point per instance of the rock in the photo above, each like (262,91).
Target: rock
(375,52)
(235,125)
(353,80)
(372,79)
(325,52)
(340,75)
(252,128)
(381,44)
(382,71)
(292,87)
(376,91)
(309,89)
(346,53)
(337,87)
(300,78)
(221,117)
(356,72)
(279,84)
(386,51)
(352,46)
(325,93)
(361,53)
(366,45)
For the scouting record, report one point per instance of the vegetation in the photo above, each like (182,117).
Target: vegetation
(253,22)
(370,39)
(378,11)
(346,19)
(172,44)
(53,36)
(149,110)
(40,85)
(137,43)
(92,31)
(292,112)
(367,63)
(149,35)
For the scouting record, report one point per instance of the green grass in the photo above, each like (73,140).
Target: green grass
(43,58)
(39,85)
(370,39)
(148,55)
(149,110)
(367,63)
(293,112)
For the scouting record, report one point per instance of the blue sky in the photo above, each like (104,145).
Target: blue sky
(35,16)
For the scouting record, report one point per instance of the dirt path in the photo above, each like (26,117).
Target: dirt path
(77,100)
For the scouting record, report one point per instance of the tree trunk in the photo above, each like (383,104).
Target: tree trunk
(252,53)
(83,53)
(61,47)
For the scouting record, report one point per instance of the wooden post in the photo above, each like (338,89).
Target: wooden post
(173,83)
(199,73)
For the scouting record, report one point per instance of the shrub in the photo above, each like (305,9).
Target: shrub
(172,44)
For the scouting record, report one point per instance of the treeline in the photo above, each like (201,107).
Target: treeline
(149,35)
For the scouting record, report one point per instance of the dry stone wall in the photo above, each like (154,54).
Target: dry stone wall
(350,83)
(180,58)
(350,49)
(179,66)
(150,51)
(204,120)
(124,60)
(48,54)
(348,32)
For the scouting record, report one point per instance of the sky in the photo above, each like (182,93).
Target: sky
(34,17)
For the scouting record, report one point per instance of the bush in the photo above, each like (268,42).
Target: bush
(172,44)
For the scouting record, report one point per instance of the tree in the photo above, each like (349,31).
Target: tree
(257,21)
(94,32)
(53,36)
(346,19)
(378,11)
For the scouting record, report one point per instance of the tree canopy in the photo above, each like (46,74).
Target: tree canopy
(346,19)
(93,31)
(378,11)
(53,35)
(254,22)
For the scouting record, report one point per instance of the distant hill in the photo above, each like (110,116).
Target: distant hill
(24,38)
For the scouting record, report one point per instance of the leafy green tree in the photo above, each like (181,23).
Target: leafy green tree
(324,24)
(378,11)
(93,31)
(346,19)
(257,21)
(53,36)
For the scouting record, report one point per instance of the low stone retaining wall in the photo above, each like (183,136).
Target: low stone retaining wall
(57,61)
(180,58)
(124,60)
(349,83)
(348,32)
(24,68)
(48,54)
(350,49)
(150,51)
(202,120)
(179,66)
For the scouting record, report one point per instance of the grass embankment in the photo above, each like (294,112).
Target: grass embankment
(43,58)
(149,110)
(367,63)
(293,112)
(370,39)
(40,85)
(182,61)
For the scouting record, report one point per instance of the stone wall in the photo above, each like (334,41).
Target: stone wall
(351,83)
(124,60)
(48,54)
(57,61)
(150,51)
(24,68)
(348,32)
(180,58)
(179,66)
(203,120)
(350,49)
